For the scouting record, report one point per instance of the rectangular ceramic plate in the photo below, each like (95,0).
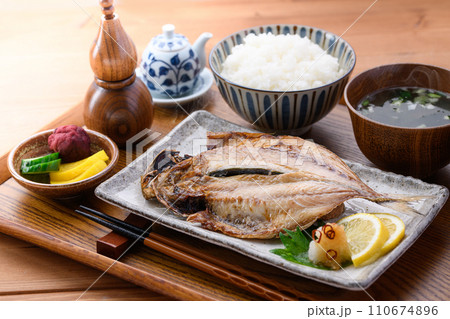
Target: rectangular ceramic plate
(123,189)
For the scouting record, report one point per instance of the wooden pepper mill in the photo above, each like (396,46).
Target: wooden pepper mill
(117,103)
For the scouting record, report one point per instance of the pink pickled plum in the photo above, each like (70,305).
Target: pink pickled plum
(71,141)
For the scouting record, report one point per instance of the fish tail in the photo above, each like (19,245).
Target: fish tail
(399,206)
(401,203)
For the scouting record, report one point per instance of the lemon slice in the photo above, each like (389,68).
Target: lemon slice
(396,229)
(366,234)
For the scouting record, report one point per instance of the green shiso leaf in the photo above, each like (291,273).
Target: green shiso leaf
(296,245)
(295,241)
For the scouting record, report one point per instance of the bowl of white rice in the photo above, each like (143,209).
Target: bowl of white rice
(282,78)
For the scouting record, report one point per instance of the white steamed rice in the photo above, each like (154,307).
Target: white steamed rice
(280,63)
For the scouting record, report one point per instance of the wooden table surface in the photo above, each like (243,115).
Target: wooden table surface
(44,48)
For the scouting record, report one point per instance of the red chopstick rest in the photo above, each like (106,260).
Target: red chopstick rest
(114,245)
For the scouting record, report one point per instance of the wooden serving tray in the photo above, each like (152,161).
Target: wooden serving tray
(55,226)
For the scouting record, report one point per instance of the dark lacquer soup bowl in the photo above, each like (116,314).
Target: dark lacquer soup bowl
(415,151)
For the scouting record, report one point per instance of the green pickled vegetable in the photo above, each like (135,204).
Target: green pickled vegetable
(37,160)
(45,167)
(38,178)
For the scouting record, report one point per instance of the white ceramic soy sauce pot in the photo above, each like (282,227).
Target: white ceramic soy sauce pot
(170,66)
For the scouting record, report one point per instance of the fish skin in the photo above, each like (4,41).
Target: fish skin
(307,182)
(300,203)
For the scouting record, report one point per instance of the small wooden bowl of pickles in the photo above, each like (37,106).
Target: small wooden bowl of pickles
(401,117)
(33,155)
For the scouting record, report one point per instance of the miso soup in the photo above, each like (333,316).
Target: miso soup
(407,107)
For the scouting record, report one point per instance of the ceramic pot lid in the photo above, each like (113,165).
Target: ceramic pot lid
(169,41)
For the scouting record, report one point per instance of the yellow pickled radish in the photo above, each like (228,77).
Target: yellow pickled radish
(100,155)
(70,171)
(95,168)
(396,229)
(366,234)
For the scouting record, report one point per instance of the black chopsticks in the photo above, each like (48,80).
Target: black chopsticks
(115,224)
(264,287)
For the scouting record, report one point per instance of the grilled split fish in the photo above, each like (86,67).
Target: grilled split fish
(254,185)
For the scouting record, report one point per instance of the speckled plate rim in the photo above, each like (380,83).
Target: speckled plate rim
(123,190)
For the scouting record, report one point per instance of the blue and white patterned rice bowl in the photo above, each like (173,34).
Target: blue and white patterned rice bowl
(290,111)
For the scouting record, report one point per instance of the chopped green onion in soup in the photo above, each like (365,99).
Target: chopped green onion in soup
(407,107)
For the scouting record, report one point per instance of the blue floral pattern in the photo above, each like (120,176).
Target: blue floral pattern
(174,76)
(176,43)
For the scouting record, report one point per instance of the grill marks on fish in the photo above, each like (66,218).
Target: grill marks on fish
(242,171)
(284,154)
(255,185)
(263,206)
